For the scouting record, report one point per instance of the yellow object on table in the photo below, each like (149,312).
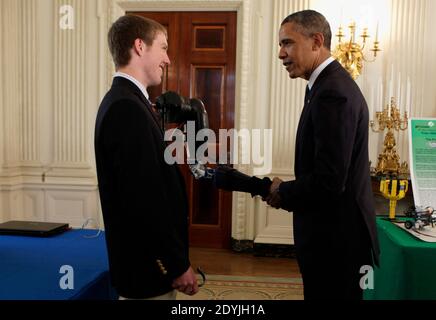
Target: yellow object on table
(391,193)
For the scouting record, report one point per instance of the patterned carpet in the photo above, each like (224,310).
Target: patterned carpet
(220,287)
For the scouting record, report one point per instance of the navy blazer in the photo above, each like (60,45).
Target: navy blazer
(143,199)
(331,196)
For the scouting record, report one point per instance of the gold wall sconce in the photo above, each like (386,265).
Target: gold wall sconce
(350,54)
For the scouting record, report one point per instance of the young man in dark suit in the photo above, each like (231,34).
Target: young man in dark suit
(144,202)
(331,196)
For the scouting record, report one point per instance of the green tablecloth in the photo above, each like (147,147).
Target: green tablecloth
(407,266)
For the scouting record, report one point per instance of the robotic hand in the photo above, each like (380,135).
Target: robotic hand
(177,109)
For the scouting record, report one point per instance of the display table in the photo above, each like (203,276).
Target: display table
(30,267)
(407,266)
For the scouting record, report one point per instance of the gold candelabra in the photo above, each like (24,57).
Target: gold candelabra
(388,164)
(390,119)
(350,54)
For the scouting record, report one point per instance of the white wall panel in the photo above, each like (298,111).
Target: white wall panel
(13,204)
(274,226)
(71,206)
(33,205)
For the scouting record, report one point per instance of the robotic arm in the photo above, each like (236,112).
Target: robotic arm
(177,109)
(174,108)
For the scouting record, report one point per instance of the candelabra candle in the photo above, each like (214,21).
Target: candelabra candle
(352,31)
(340,34)
(364,35)
(376,33)
(408,102)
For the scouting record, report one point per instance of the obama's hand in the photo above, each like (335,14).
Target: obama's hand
(273,199)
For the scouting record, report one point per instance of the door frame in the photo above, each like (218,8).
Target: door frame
(242,221)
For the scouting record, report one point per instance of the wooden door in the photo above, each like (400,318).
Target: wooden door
(202,50)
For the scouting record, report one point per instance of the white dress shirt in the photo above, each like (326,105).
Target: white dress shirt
(318,70)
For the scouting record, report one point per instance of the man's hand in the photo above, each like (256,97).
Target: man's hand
(273,199)
(186,283)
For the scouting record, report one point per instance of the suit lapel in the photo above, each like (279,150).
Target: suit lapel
(120,81)
(301,122)
(332,67)
(149,109)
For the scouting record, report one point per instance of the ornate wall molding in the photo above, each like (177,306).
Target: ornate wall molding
(179,5)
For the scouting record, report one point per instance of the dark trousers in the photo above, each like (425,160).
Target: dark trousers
(329,285)
(334,277)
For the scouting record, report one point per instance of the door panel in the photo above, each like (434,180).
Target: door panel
(202,50)
(208,83)
(209,38)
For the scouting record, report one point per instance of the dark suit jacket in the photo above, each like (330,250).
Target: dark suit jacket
(331,196)
(143,199)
